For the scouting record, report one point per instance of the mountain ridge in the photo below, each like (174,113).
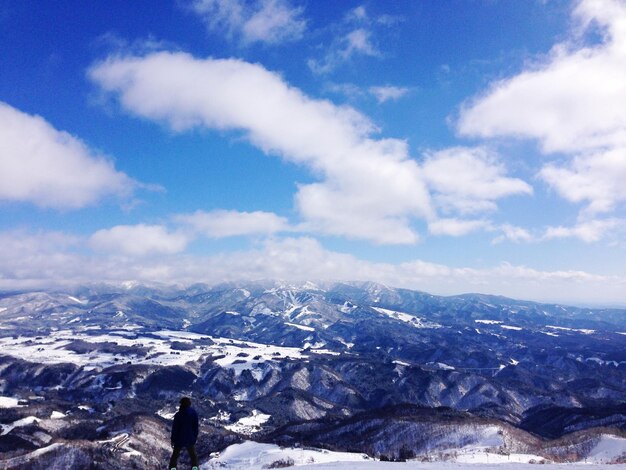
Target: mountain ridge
(304,355)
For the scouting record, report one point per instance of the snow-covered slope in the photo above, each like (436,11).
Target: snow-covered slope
(609,449)
(439,466)
(251,455)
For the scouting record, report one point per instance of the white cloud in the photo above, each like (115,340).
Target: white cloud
(51,168)
(388,92)
(370,189)
(35,260)
(50,259)
(221,223)
(469,180)
(353,211)
(569,102)
(513,234)
(597,179)
(265,21)
(588,231)
(19,246)
(138,240)
(455,227)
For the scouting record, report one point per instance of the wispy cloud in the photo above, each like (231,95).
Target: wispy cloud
(262,21)
(354,43)
(455,227)
(50,168)
(382,93)
(222,223)
(354,36)
(594,178)
(469,180)
(588,230)
(388,92)
(513,234)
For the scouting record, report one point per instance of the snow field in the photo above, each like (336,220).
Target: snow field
(300,327)
(579,330)
(251,455)
(509,327)
(442,466)
(232,354)
(488,457)
(9,402)
(608,449)
(249,424)
(255,456)
(166,413)
(406,318)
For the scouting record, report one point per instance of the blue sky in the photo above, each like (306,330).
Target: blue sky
(475,146)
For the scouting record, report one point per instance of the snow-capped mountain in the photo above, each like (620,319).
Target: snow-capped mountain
(349,367)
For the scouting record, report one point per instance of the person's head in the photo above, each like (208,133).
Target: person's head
(185,402)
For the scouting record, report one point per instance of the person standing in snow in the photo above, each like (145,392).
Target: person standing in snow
(185,433)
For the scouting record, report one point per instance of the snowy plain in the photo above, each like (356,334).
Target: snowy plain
(443,466)
(232,354)
(251,455)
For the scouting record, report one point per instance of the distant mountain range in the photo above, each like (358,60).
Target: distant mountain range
(346,366)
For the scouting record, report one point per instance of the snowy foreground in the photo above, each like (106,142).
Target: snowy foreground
(439,466)
(442,466)
(255,456)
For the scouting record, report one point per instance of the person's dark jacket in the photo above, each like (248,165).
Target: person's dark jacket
(185,427)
